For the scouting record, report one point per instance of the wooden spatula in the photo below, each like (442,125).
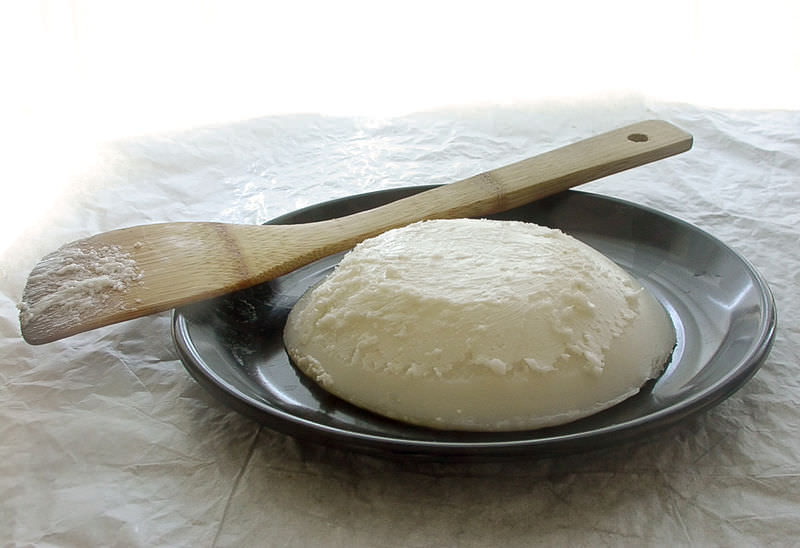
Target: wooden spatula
(133,272)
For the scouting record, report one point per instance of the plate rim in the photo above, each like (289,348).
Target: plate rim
(638,427)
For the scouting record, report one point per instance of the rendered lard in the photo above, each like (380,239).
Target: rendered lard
(479,325)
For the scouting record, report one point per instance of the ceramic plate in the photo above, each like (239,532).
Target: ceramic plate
(722,309)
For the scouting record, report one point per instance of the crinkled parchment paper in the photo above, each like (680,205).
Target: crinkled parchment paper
(105,440)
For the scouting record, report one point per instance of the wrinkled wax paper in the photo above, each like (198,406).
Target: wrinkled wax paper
(106,440)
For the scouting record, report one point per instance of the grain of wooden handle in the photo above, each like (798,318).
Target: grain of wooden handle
(520,183)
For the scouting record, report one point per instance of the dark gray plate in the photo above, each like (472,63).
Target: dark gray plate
(722,309)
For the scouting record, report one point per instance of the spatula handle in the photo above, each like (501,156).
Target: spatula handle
(528,180)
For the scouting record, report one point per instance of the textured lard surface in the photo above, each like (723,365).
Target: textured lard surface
(479,324)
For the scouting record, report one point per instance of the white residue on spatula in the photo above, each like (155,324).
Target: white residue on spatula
(77,280)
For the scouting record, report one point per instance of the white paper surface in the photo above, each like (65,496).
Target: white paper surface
(106,440)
